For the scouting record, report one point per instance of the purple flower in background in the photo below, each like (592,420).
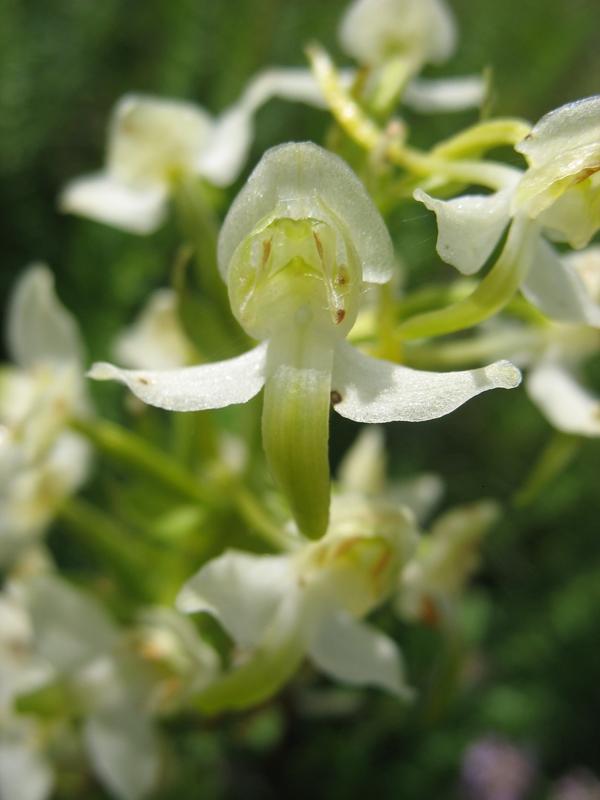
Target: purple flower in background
(495,769)
(578,785)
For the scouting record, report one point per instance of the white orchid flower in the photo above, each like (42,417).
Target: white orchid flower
(153,143)
(25,769)
(397,38)
(40,461)
(445,559)
(559,194)
(363,470)
(296,250)
(309,602)
(423,30)
(108,685)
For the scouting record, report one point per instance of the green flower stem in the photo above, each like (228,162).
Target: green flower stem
(128,557)
(490,296)
(267,670)
(464,353)
(555,457)
(296,421)
(254,515)
(483,136)
(127,448)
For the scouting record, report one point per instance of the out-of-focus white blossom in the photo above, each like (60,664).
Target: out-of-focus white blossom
(156,339)
(445,559)
(41,462)
(422,31)
(309,602)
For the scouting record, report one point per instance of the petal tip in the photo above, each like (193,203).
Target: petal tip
(102,371)
(504,375)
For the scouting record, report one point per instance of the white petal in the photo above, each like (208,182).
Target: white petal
(445,94)
(40,329)
(124,752)
(241,590)
(301,181)
(71,628)
(421,494)
(374,390)
(24,773)
(224,383)
(105,199)
(153,139)
(156,339)
(353,652)
(227,150)
(363,468)
(571,126)
(565,403)
(556,288)
(562,149)
(469,227)
(420,30)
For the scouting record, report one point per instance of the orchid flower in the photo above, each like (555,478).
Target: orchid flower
(153,144)
(106,685)
(41,461)
(559,194)
(396,39)
(310,601)
(296,250)
(445,557)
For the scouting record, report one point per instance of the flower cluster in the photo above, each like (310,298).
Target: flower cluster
(228,563)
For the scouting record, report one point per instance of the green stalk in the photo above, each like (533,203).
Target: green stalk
(490,296)
(127,448)
(130,558)
(555,457)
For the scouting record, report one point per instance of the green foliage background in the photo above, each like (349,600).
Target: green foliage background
(533,618)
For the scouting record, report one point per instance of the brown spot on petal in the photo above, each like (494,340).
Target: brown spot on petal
(587,173)
(266,250)
(339,316)
(319,245)
(336,397)
(143,381)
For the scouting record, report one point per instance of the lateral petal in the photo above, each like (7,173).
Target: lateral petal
(106,199)
(243,591)
(217,385)
(40,329)
(353,652)
(374,390)
(469,227)
(446,94)
(562,399)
